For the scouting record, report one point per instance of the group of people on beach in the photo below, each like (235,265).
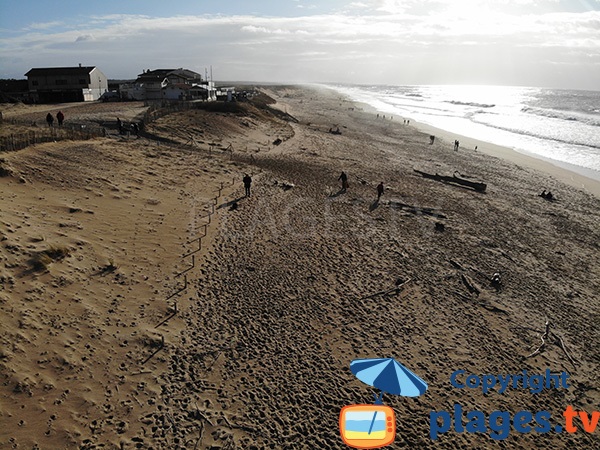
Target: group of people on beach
(134,128)
(247,180)
(60,118)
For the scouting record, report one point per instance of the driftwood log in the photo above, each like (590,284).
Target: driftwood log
(477,186)
(470,285)
(558,341)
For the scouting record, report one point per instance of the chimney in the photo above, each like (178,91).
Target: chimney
(79,64)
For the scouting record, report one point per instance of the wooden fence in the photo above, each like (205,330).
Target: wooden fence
(74,131)
(18,141)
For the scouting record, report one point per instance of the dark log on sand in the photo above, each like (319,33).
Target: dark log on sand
(478,186)
(470,285)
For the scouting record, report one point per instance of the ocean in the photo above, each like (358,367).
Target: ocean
(561,126)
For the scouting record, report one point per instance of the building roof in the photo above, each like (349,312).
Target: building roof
(54,71)
(185,73)
(161,74)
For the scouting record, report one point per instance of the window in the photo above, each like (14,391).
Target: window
(61,82)
(34,82)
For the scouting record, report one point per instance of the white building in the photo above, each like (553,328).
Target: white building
(168,84)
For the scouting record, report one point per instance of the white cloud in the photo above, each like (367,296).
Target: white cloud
(360,5)
(265,30)
(393,46)
(43,25)
(431,7)
(255,29)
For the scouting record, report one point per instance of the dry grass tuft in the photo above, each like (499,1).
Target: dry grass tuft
(41,260)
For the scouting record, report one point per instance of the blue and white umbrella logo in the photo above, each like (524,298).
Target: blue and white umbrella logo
(388,375)
(373,426)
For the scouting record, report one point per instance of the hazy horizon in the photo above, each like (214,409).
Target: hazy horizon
(543,43)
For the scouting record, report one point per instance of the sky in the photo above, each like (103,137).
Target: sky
(545,43)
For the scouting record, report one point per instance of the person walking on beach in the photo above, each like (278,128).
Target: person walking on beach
(60,117)
(50,119)
(380,189)
(344,179)
(247,182)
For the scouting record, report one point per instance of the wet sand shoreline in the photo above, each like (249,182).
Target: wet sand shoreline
(570,176)
(581,178)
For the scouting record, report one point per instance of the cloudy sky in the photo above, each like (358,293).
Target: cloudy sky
(551,43)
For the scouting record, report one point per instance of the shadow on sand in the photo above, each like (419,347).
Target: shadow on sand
(338,193)
(232,204)
(374,205)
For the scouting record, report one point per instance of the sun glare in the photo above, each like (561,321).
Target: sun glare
(475,18)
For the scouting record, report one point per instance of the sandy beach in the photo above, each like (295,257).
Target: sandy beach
(113,336)
(576,177)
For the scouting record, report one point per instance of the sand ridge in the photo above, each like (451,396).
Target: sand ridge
(115,215)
